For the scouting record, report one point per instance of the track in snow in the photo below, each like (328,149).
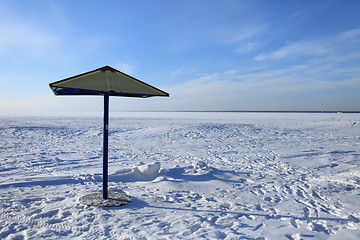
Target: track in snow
(220,179)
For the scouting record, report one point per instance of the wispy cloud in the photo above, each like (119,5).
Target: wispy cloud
(294,50)
(126,67)
(228,90)
(248,46)
(245,37)
(52,36)
(351,35)
(313,47)
(221,61)
(242,33)
(258,89)
(23,35)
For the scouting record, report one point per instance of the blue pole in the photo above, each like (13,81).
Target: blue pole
(105,146)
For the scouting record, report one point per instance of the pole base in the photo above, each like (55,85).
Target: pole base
(114,199)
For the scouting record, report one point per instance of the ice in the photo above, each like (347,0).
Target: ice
(190,176)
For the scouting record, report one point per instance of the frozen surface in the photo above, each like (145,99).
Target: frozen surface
(191,176)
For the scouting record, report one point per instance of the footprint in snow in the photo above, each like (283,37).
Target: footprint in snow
(294,223)
(48,214)
(306,212)
(36,211)
(293,236)
(192,229)
(257,227)
(300,193)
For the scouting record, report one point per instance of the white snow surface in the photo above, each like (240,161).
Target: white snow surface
(190,175)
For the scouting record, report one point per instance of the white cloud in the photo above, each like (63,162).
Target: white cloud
(228,90)
(244,33)
(318,47)
(352,34)
(126,67)
(23,36)
(236,90)
(248,47)
(295,49)
(301,14)
(245,36)
(50,102)
(181,71)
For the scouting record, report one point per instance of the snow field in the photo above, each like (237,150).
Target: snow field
(191,176)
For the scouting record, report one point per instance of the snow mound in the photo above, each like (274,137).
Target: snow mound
(150,170)
(200,171)
(142,172)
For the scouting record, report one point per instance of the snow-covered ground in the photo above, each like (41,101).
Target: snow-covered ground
(190,176)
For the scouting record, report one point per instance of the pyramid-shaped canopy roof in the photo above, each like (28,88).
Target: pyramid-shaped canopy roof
(105,80)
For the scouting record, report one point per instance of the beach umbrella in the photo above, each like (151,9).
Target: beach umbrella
(105,81)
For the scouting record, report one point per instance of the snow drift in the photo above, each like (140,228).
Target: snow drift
(190,176)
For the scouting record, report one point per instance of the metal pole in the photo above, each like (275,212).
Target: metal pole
(105,146)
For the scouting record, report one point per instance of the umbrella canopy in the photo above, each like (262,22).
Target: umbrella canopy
(105,80)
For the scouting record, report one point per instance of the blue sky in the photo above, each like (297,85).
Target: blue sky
(209,55)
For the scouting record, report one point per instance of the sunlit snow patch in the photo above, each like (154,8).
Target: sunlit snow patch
(143,172)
